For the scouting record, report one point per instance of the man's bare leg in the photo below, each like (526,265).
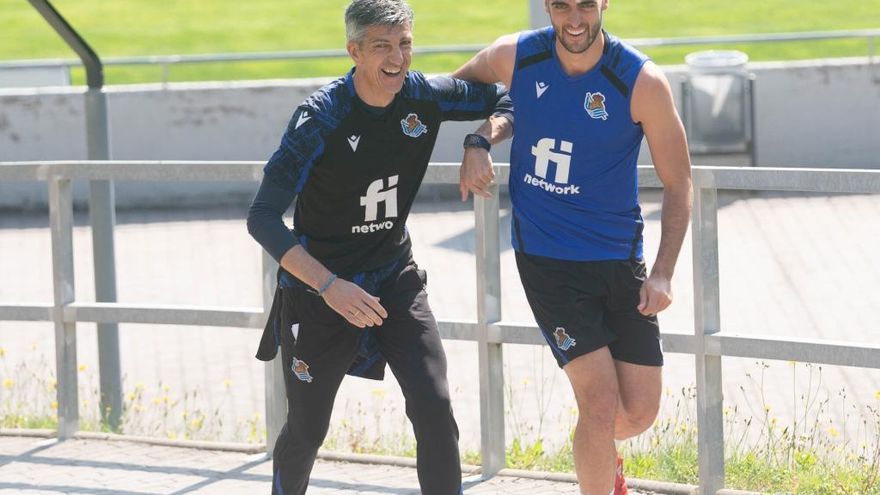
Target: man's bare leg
(639,389)
(593,378)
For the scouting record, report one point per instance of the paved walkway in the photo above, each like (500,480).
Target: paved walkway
(30,466)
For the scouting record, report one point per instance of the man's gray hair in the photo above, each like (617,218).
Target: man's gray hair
(361,14)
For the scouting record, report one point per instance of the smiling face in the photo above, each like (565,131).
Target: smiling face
(382,58)
(577,22)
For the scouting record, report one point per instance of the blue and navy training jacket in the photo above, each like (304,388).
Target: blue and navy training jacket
(356,172)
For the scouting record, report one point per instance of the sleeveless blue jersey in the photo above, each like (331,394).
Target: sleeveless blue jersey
(573,177)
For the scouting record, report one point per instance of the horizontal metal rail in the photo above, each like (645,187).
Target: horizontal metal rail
(503,332)
(865,181)
(168,60)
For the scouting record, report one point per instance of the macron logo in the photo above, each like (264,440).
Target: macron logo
(540,87)
(353,142)
(303,118)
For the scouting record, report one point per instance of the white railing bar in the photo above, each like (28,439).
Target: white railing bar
(26,312)
(244,317)
(817,351)
(723,178)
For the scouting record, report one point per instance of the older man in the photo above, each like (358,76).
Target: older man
(350,295)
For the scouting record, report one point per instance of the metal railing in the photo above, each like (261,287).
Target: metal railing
(167,61)
(707,342)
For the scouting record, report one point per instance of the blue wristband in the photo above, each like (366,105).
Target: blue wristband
(326,285)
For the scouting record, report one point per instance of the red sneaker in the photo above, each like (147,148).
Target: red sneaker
(619,481)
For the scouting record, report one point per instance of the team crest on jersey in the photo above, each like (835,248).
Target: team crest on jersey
(594,104)
(563,340)
(412,126)
(301,370)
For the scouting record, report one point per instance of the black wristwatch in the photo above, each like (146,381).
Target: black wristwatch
(477,141)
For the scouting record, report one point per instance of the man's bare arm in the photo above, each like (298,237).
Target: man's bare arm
(492,64)
(477,173)
(653,107)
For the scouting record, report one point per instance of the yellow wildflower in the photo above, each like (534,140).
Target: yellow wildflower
(54,405)
(8,383)
(833,432)
(2,352)
(82,368)
(227,383)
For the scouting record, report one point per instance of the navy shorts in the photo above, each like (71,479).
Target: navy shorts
(582,306)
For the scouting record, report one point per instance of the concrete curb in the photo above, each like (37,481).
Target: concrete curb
(243,448)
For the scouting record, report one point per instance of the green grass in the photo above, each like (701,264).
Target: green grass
(810,456)
(127,27)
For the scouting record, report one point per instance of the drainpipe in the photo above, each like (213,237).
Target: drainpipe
(102,211)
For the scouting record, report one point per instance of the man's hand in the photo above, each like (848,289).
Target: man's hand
(354,304)
(476,174)
(655,295)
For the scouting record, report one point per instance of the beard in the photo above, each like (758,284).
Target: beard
(574,47)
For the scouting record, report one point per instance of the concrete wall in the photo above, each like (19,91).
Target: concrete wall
(815,114)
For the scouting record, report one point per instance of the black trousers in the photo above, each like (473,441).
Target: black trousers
(318,358)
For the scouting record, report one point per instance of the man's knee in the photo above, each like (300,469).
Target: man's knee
(306,433)
(429,408)
(598,402)
(636,418)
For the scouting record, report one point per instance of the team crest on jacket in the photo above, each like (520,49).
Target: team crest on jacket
(412,126)
(594,104)
(301,370)
(563,340)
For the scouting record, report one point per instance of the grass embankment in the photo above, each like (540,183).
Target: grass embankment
(128,28)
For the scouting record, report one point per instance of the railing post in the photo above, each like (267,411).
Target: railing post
(488,261)
(61,227)
(276,394)
(707,321)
